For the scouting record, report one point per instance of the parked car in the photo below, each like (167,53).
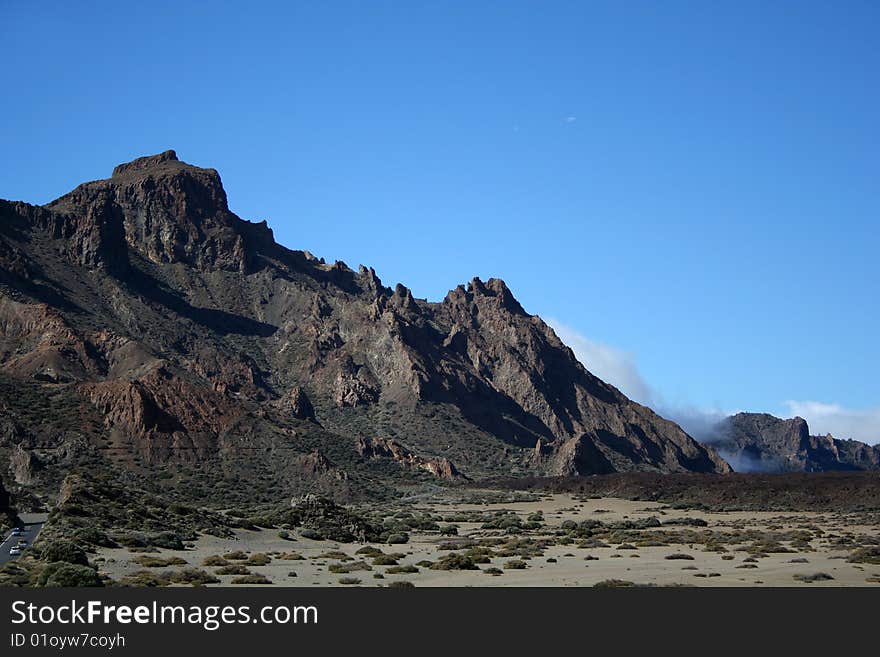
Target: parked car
(17,531)
(14,550)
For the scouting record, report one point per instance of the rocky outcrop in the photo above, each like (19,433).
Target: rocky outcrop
(295,402)
(91,236)
(372,448)
(24,465)
(39,342)
(166,210)
(327,520)
(762,442)
(355,385)
(316,464)
(163,415)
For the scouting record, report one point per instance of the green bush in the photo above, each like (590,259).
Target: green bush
(166,540)
(259,559)
(401,570)
(158,562)
(251,579)
(192,576)
(479,555)
(454,561)
(869,555)
(146,578)
(341,568)
(506,521)
(66,551)
(339,555)
(237,555)
(233,569)
(613,584)
(384,560)
(64,574)
(215,560)
(93,536)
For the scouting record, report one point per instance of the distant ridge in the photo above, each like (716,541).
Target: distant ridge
(762,442)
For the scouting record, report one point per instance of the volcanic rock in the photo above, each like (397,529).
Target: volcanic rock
(441,467)
(173,332)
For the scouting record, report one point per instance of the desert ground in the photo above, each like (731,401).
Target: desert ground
(541,540)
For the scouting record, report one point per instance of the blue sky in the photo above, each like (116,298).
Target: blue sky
(689,190)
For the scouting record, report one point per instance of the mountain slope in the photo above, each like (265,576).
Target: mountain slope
(143,323)
(759,441)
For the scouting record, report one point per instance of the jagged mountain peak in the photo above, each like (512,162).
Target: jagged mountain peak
(166,210)
(200,187)
(148,163)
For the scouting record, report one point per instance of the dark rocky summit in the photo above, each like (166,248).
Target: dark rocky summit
(762,442)
(145,327)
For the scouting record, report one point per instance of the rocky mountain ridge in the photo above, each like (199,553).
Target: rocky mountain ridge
(762,442)
(144,324)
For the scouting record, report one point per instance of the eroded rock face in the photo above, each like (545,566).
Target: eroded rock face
(91,236)
(164,416)
(316,464)
(172,327)
(762,442)
(372,448)
(40,343)
(23,465)
(296,403)
(168,211)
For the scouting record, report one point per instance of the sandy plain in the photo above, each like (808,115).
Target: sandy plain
(816,557)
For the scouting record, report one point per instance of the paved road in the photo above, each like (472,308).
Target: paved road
(32,527)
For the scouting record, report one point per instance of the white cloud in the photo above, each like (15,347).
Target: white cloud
(700,423)
(608,363)
(841,422)
(571,119)
(619,368)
